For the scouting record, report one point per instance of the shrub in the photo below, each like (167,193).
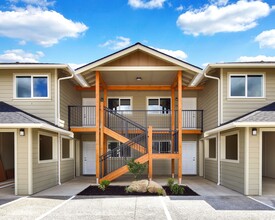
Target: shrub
(175,188)
(136,168)
(128,189)
(104,184)
(161,192)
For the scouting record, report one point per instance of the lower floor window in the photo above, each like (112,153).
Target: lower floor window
(119,150)
(161,147)
(45,147)
(230,146)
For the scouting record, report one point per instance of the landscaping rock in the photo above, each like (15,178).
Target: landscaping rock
(154,187)
(138,186)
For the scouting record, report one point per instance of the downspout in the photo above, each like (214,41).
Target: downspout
(219,121)
(58,92)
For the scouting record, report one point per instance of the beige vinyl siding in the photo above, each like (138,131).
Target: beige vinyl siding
(66,170)
(232,173)
(45,174)
(254,164)
(208,102)
(22,163)
(211,170)
(139,58)
(235,107)
(68,96)
(41,108)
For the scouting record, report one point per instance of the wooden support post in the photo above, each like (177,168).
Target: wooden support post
(105,136)
(173,129)
(97,115)
(150,151)
(101,152)
(180,126)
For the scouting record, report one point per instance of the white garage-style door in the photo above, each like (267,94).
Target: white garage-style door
(89,158)
(189,157)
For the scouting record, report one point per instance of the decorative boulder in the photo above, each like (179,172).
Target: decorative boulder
(138,186)
(154,187)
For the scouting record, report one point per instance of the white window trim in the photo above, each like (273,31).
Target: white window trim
(157,97)
(71,148)
(54,145)
(118,145)
(223,136)
(245,74)
(48,75)
(123,97)
(207,148)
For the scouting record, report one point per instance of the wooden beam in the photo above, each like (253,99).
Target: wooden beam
(97,139)
(137,68)
(175,82)
(191,131)
(83,129)
(180,126)
(192,88)
(165,156)
(173,128)
(150,151)
(104,85)
(101,152)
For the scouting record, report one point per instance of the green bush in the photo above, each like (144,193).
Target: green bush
(175,188)
(128,190)
(136,168)
(104,184)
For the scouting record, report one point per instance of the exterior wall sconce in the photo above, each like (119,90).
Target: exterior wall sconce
(22,132)
(138,78)
(254,131)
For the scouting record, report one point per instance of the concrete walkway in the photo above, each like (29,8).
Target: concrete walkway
(60,202)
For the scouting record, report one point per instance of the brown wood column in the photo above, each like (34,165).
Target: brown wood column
(101,134)
(97,136)
(105,137)
(180,126)
(173,128)
(150,151)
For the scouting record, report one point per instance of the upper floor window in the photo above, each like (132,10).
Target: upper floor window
(159,105)
(32,86)
(246,85)
(120,104)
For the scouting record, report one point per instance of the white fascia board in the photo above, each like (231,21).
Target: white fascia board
(219,129)
(138,68)
(255,124)
(36,66)
(41,126)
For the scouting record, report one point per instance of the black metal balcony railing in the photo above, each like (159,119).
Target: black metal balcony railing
(83,116)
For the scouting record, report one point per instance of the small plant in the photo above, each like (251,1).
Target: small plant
(136,168)
(161,192)
(128,189)
(175,188)
(104,184)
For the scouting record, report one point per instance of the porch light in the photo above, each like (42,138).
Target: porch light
(22,132)
(254,131)
(138,78)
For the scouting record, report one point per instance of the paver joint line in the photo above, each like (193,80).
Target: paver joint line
(17,200)
(55,208)
(261,202)
(167,213)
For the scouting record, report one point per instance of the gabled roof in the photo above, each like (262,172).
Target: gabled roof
(138,46)
(262,117)
(12,117)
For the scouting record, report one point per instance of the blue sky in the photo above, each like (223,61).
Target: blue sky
(78,32)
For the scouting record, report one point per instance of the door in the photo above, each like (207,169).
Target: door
(89,158)
(88,111)
(189,118)
(189,157)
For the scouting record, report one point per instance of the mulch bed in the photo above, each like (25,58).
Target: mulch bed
(120,191)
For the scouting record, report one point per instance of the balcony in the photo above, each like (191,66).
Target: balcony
(84,116)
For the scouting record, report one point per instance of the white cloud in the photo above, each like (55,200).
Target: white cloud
(179,54)
(40,3)
(18,55)
(256,58)
(212,19)
(180,8)
(43,27)
(147,4)
(117,44)
(266,39)
(219,2)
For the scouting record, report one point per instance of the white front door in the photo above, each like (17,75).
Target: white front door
(189,118)
(88,113)
(89,158)
(189,157)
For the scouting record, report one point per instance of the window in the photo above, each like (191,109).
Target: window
(67,151)
(245,85)
(123,104)
(46,150)
(210,151)
(159,105)
(32,86)
(118,151)
(161,147)
(230,146)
